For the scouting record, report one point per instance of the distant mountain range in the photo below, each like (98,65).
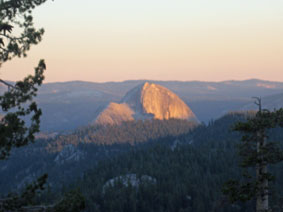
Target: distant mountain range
(69,105)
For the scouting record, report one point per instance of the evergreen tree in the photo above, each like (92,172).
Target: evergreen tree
(257,153)
(13,130)
(17,103)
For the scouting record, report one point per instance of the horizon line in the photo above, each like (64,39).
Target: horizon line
(152,80)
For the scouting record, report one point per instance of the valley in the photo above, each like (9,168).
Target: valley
(159,155)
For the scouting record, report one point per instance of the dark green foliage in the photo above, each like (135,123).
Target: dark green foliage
(15,202)
(73,201)
(257,152)
(17,103)
(40,157)
(132,132)
(189,178)
(13,129)
(239,192)
(17,14)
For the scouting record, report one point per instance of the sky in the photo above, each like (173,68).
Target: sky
(116,40)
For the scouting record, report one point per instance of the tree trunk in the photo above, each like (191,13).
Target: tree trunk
(261,171)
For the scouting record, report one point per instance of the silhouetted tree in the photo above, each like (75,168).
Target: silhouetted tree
(256,152)
(17,103)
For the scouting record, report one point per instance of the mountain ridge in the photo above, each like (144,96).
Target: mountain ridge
(69,105)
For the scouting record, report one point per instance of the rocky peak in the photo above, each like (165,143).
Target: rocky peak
(163,103)
(145,101)
(115,113)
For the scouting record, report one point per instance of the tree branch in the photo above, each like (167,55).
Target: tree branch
(12,38)
(258,102)
(7,84)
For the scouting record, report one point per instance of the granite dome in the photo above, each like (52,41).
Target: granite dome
(146,101)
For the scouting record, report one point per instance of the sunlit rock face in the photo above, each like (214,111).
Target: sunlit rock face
(163,103)
(115,114)
(146,101)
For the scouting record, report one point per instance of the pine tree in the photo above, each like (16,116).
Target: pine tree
(17,102)
(256,153)
(13,130)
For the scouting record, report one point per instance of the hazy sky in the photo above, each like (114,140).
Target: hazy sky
(114,40)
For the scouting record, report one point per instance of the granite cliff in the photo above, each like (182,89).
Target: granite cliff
(146,101)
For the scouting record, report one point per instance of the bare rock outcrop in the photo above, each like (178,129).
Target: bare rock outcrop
(115,114)
(146,101)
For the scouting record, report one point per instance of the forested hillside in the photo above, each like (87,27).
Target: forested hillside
(180,168)
(70,155)
(188,176)
(131,132)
